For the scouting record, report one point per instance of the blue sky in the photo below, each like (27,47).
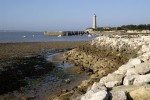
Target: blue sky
(56,15)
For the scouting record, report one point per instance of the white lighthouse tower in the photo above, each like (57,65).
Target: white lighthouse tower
(94,22)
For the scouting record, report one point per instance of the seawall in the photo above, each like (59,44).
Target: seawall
(131,80)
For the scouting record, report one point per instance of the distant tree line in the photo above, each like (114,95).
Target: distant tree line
(125,27)
(136,27)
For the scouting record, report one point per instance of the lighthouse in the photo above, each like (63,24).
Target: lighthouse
(94,22)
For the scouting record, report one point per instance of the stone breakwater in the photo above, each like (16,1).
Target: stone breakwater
(121,69)
(102,53)
(131,80)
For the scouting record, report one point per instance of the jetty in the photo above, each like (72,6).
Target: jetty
(65,33)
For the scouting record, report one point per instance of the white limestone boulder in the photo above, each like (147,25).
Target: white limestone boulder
(97,87)
(123,69)
(145,57)
(101,95)
(88,95)
(129,68)
(128,80)
(145,48)
(134,61)
(131,71)
(112,79)
(103,80)
(140,94)
(142,68)
(142,79)
(112,84)
(119,95)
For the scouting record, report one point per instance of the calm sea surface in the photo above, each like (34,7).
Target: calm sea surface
(6,37)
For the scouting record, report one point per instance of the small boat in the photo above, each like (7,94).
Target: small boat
(59,35)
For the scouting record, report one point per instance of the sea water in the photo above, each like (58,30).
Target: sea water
(9,37)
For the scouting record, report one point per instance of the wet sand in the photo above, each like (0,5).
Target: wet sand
(19,50)
(9,50)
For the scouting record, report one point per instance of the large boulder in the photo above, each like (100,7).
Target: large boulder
(131,71)
(112,80)
(97,87)
(136,79)
(88,95)
(139,69)
(142,68)
(101,95)
(145,57)
(96,92)
(142,79)
(128,80)
(112,84)
(145,48)
(140,94)
(119,95)
(123,69)
(134,61)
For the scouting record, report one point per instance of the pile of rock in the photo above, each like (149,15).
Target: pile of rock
(130,81)
(127,61)
(103,53)
(132,78)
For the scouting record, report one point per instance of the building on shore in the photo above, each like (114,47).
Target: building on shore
(128,29)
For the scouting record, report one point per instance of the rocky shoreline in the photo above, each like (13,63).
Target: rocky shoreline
(119,68)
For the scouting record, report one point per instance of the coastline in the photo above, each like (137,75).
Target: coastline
(107,61)
(99,57)
(12,52)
